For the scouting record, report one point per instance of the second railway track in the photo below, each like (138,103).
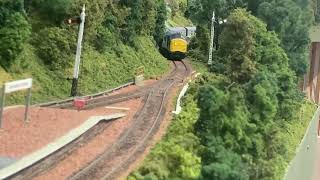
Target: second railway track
(131,143)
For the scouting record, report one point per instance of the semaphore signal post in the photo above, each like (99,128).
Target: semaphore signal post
(79,20)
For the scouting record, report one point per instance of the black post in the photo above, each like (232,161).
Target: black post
(216,34)
(74,87)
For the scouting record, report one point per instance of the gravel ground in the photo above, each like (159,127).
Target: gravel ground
(161,132)
(133,87)
(80,157)
(18,139)
(47,124)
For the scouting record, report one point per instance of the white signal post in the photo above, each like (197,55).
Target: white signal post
(211,39)
(78,54)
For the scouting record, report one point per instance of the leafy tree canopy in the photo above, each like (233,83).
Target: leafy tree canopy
(14,31)
(244,112)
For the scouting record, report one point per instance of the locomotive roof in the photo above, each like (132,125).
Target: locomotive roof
(179,29)
(192,28)
(176,30)
(172,32)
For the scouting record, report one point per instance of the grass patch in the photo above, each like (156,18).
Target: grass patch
(178,154)
(199,67)
(99,71)
(179,20)
(293,134)
(296,129)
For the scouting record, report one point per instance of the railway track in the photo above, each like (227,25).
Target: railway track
(135,140)
(49,162)
(131,143)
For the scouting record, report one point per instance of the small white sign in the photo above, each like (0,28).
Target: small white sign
(18,85)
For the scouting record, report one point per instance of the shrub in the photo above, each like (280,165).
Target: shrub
(55,47)
(105,39)
(13,35)
(55,10)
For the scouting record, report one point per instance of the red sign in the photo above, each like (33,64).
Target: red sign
(79,103)
(71,21)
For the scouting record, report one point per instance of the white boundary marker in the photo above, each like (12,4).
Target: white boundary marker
(182,93)
(118,108)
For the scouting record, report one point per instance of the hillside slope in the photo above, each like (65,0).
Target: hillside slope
(98,71)
(115,44)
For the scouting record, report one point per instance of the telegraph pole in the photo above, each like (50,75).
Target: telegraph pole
(78,54)
(211,39)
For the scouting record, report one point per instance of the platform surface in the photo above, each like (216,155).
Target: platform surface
(54,146)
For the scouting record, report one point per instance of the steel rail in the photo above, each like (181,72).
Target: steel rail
(91,169)
(99,99)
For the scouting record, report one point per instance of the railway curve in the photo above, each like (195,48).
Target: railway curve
(135,139)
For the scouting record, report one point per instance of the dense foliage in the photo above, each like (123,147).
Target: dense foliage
(249,96)
(14,31)
(54,11)
(261,96)
(290,19)
(119,37)
(177,156)
(54,46)
(232,125)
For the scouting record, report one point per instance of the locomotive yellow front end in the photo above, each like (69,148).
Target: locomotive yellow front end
(178,45)
(178,48)
(174,45)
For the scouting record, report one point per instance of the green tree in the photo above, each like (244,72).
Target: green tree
(8,7)
(291,22)
(200,12)
(161,18)
(315,4)
(134,21)
(14,33)
(202,9)
(55,47)
(245,111)
(50,11)
(224,115)
(146,17)
(222,164)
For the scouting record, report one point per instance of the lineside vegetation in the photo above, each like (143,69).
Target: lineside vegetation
(119,37)
(245,116)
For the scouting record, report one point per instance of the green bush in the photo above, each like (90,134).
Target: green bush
(8,7)
(177,155)
(54,10)
(105,39)
(14,33)
(98,71)
(223,163)
(55,47)
(49,56)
